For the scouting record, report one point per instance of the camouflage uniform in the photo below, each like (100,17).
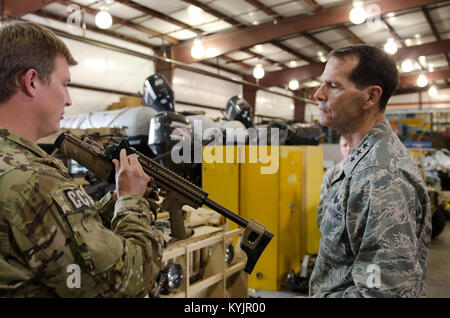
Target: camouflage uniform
(376,215)
(48,223)
(328,176)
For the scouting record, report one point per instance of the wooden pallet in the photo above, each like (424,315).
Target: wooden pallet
(205,273)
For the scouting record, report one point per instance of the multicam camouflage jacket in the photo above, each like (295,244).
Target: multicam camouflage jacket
(53,242)
(376,224)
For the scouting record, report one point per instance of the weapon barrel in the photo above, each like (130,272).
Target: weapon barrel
(225,212)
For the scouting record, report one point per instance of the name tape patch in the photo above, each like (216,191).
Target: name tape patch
(79,199)
(335,214)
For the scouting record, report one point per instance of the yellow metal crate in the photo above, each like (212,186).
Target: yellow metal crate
(278,199)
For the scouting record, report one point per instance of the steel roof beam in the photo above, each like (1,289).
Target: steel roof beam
(300,74)
(410,90)
(227,41)
(214,12)
(427,49)
(262,7)
(352,35)
(410,80)
(398,38)
(233,22)
(123,22)
(48,15)
(159,15)
(310,71)
(433,29)
(19,8)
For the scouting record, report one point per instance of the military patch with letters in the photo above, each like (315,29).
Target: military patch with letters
(79,199)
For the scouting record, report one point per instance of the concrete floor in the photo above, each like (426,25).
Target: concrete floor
(438,274)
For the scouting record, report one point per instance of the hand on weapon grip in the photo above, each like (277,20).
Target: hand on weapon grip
(130,177)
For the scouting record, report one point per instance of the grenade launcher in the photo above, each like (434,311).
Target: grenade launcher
(179,191)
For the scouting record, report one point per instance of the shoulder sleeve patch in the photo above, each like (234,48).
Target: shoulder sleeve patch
(79,199)
(73,199)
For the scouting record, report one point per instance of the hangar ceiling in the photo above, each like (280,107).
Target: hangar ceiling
(289,38)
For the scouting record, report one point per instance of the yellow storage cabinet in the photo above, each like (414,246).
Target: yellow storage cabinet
(311,182)
(274,200)
(282,193)
(221,178)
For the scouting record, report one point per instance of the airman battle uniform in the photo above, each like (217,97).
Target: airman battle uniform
(376,224)
(328,176)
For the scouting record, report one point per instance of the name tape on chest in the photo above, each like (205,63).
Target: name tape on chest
(335,214)
(79,199)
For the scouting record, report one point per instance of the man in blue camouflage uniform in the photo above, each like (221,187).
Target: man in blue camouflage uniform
(54,240)
(376,226)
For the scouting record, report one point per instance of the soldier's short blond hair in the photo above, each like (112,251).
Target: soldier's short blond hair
(24,46)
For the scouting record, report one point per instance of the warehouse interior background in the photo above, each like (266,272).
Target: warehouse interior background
(270,52)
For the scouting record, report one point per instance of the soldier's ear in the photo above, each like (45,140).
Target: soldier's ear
(29,82)
(372,96)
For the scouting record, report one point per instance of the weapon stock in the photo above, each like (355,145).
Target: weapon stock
(180,192)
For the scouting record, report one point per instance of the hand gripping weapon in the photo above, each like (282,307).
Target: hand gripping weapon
(179,191)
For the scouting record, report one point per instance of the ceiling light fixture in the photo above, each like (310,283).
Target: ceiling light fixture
(390,46)
(422,60)
(259,47)
(195,13)
(197,51)
(391,16)
(258,71)
(103,19)
(322,58)
(433,91)
(357,14)
(422,81)
(407,66)
(294,85)
(418,40)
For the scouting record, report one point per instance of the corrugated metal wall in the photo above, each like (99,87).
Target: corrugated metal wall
(204,90)
(274,105)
